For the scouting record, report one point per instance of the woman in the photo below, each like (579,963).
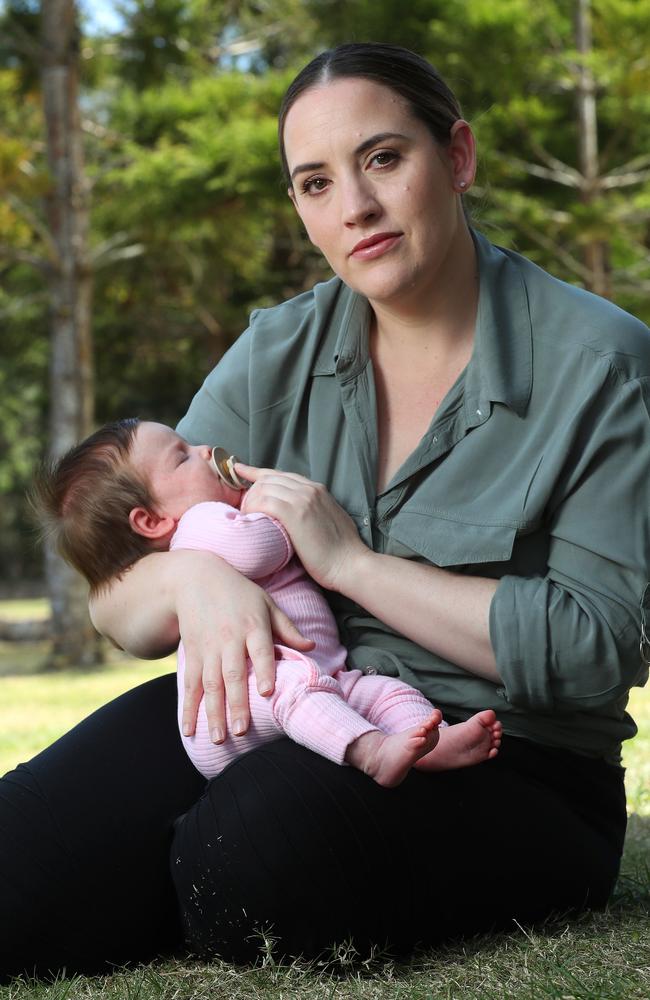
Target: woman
(483,530)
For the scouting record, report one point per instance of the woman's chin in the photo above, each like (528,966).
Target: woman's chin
(379,288)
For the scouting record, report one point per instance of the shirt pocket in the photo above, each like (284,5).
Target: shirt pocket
(448,542)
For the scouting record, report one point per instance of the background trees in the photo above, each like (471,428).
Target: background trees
(190,226)
(68,272)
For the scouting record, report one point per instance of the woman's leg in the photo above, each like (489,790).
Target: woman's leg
(287,842)
(85,830)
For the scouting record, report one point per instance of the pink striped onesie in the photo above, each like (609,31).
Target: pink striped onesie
(316,701)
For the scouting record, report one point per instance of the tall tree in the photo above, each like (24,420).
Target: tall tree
(595,255)
(562,109)
(70,282)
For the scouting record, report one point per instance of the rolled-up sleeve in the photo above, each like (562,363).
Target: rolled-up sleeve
(570,640)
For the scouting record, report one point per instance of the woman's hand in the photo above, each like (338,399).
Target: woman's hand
(224,619)
(324,536)
(444,612)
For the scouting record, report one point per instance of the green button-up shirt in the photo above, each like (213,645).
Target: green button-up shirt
(534,471)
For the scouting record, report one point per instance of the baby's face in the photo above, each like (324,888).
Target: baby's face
(179,474)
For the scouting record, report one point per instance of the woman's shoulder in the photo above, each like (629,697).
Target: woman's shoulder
(304,313)
(302,330)
(572,317)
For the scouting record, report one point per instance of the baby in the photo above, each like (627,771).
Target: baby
(133,487)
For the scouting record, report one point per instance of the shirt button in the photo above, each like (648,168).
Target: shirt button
(366,521)
(478,413)
(435,439)
(371,670)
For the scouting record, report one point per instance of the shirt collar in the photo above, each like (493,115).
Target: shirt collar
(501,366)
(344,341)
(500,369)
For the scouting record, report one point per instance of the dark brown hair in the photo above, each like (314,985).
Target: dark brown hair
(83,501)
(403,71)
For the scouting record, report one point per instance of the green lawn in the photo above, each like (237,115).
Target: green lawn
(604,956)
(38,708)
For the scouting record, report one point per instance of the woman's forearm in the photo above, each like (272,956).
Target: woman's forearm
(444,612)
(138,611)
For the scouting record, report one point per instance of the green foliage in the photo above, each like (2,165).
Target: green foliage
(523,100)
(365,20)
(191,226)
(23,344)
(20,25)
(196,184)
(164,39)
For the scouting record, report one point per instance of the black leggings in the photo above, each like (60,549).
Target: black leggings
(283,840)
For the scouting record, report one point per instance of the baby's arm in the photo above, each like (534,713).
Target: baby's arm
(254,544)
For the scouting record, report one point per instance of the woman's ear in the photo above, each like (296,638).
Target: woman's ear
(149,524)
(462,155)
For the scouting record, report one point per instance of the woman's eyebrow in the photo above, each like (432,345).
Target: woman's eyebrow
(363,147)
(377,139)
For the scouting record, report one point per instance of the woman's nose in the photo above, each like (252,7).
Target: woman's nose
(359,202)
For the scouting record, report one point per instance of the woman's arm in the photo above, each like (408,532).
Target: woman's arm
(563,642)
(121,612)
(444,612)
(222,617)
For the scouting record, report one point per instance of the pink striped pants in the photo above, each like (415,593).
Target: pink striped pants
(323,712)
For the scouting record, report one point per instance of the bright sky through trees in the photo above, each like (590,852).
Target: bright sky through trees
(101,15)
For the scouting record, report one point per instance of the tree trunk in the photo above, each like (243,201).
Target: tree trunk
(75,642)
(595,251)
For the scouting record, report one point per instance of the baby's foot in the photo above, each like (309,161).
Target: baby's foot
(464,744)
(389,758)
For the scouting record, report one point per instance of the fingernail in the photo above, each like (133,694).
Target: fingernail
(266,689)
(238,727)
(217,734)
(187,729)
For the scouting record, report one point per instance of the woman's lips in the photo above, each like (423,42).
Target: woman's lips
(375,246)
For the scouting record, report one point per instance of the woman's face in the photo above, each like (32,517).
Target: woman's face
(377,195)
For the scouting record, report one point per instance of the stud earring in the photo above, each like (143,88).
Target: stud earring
(462,184)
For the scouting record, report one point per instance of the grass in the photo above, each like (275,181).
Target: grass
(38,707)
(24,609)
(601,956)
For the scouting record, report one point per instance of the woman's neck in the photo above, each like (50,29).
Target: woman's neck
(419,349)
(440,315)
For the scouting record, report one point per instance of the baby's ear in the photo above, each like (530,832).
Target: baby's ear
(149,524)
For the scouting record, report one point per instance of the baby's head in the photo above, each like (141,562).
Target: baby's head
(120,494)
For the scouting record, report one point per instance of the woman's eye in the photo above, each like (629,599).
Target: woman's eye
(383,158)
(314,185)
